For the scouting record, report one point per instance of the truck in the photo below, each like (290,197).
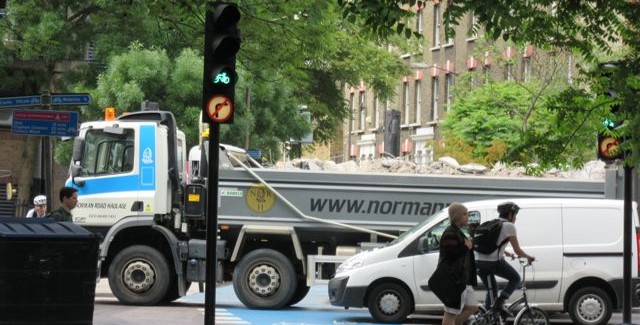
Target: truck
(279,231)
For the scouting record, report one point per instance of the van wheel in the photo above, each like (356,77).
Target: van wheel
(389,303)
(265,279)
(590,306)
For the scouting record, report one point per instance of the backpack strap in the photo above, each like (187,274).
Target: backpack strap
(504,242)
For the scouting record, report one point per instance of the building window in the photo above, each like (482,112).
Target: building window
(376,112)
(436,25)
(448,91)
(405,102)
(570,69)
(363,110)
(508,72)
(486,73)
(352,102)
(434,99)
(526,69)
(419,20)
(473,25)
(418,101)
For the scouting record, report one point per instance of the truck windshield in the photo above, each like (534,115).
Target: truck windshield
(107,153)
(419,226)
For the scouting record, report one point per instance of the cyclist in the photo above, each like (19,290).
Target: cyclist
(40,207)
(490,265)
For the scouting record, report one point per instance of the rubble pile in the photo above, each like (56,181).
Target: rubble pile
(593,170)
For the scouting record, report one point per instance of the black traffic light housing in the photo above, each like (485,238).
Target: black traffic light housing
(221,43)
(609,139)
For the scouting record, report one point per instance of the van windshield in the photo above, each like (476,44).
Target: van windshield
(419,226)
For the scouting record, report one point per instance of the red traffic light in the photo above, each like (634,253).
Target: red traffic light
(609,148)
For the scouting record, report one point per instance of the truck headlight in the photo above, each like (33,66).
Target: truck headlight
(352,263)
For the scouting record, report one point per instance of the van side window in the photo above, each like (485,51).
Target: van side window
(433,236)
(432,242)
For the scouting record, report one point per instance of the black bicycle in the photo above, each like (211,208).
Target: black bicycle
(525,313)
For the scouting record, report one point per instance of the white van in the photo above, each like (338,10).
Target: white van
(578,244)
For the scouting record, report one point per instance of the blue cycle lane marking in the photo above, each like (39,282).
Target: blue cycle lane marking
(315,309)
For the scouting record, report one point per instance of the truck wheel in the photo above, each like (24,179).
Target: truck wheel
(590,306)
(301,292)
(389,303)
(265,279)
(139,275)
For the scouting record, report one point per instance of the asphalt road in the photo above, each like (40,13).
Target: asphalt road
(189,310)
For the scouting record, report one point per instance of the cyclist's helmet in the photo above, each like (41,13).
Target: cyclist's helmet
(506,207)
(39,200)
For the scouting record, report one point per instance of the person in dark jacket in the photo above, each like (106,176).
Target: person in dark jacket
(68,200)
(457,270)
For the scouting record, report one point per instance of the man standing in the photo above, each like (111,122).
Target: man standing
(68,199)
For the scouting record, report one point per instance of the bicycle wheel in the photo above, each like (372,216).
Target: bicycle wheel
(531,316)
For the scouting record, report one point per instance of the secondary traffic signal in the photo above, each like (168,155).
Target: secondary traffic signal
(609,138)
(221,43)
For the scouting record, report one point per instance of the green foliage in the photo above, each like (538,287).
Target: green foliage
(292,54)
(494,111)
(581,27)
(490,120)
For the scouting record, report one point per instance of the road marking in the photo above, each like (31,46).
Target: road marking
(224,317)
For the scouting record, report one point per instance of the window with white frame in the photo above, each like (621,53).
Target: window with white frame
(448,91)
(405,102)
(376,112)
(526,68)
(352,101)
(509,72)
(363,110)
(570,69)
(436,25)
(420,20)
(418,101)
(434,99)
(473,28)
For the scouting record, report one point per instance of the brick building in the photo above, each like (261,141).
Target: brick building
(425,96)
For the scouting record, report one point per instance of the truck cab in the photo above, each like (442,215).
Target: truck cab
(122,158)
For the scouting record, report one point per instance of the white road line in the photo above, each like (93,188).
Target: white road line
(224,317)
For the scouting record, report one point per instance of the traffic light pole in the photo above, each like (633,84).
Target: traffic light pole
(212,223)
(627,298)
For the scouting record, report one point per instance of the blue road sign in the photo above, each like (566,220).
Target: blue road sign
(45,123)
(21,101)
(70,99)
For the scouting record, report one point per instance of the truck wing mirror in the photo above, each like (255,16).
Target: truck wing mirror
(78,148)
(75,172)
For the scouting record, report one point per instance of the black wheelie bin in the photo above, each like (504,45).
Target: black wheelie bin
(48,272)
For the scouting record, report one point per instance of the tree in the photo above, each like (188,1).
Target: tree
(302,48)
(584,27)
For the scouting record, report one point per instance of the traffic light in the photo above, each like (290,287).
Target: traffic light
(609,138)
(221,43)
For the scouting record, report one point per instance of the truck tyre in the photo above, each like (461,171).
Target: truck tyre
(301,292)
(139,275)
(265,279)
(389,303)
(590,306)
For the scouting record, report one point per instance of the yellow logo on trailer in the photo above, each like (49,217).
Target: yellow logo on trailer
(259,199)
